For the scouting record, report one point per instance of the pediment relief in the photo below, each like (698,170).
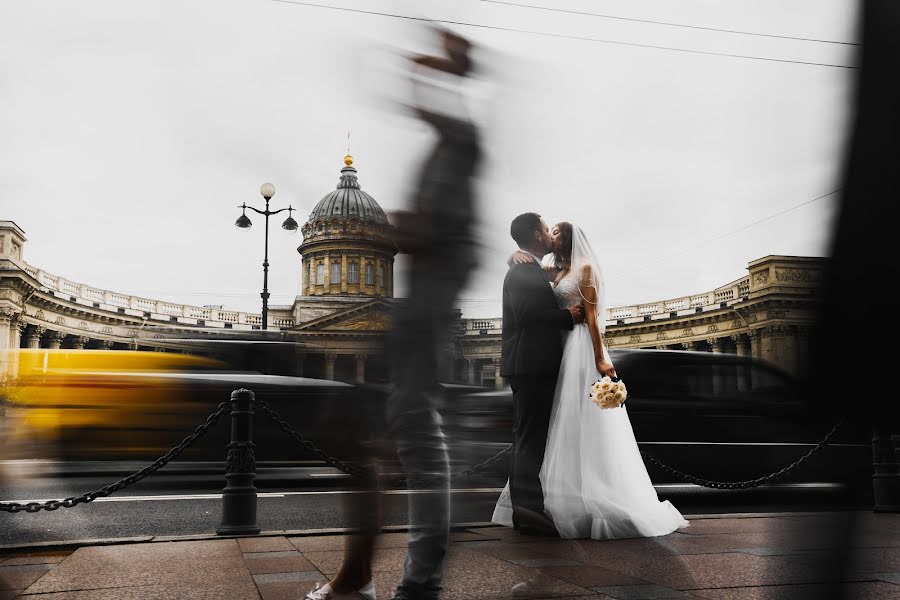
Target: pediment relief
(376,320)
(374,316)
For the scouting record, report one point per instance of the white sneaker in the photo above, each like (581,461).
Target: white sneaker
(366,592)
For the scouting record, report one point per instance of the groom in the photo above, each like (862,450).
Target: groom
(532,351)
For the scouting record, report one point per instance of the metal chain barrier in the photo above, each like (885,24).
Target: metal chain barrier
(751,483)
(50,505)
(349,469)
(298,437)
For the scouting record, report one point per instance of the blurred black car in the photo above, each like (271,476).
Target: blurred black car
(717,416)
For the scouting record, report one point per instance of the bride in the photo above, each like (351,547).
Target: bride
(594,480)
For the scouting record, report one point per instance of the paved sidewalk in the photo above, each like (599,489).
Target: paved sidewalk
(724,558)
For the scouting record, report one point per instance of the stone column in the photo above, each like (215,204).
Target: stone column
(782,347)
(380,282)
(327,274)
(756,338)
(360,368)
(718,384)
(390,279)
(9,329)
(472,365)
(741,349)
(329,365)
(740,344)
(77,342)
(311,263)
(54,339)
(33,336)
(756,350)
(343,273)
(301,359)
(498,381)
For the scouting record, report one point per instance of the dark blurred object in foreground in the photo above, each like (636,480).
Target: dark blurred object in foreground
(850,332)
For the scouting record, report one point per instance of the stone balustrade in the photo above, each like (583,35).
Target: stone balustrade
(151,309)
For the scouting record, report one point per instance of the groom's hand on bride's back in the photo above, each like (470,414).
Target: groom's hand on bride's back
(577,313)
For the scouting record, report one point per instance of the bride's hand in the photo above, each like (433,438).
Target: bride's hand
(519,258)
(606,368)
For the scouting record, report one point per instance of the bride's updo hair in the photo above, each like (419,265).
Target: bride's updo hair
(563,256)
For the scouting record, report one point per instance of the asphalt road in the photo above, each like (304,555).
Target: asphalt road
(188,501)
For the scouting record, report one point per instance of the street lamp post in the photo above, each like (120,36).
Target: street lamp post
(267,190)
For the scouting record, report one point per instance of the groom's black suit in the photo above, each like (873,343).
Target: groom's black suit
(532,351)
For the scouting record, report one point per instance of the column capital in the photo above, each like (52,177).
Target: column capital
(104,344)
(8,313)
(35,331)
(715,344)
(54,336)
(689,345)
(77,342)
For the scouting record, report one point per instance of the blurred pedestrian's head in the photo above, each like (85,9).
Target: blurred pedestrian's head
(457,48)
(531,233)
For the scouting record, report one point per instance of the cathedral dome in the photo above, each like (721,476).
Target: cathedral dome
(348,244)
(348,201)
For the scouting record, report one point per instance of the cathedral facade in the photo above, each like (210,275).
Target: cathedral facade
(339,321)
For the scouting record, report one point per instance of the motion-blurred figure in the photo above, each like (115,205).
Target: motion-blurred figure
(863,234)
(438,233)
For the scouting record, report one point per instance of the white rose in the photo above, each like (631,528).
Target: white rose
(620,397)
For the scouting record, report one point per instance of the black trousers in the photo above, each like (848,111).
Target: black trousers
(532,403)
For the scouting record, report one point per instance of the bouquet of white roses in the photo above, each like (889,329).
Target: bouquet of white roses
(607,393)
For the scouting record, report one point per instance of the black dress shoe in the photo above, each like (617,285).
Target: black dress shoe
(531,522)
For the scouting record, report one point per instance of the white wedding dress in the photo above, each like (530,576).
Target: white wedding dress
(594,479)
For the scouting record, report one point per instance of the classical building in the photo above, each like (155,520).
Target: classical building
(766,314)
(340,318)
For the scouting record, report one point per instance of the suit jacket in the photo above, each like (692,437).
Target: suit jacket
(532,344)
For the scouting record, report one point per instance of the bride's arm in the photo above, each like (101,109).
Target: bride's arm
(589,294)
(520,258)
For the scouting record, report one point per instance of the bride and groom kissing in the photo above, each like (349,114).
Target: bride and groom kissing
(576,470)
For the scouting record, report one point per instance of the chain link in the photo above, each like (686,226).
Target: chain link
(751,483)
(270,412)
(349,469)
(51,505)
(361,472)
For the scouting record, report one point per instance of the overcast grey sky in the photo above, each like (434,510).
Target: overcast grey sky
(131,130)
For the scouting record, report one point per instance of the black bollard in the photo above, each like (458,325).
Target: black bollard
(239,495)
(886,476)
